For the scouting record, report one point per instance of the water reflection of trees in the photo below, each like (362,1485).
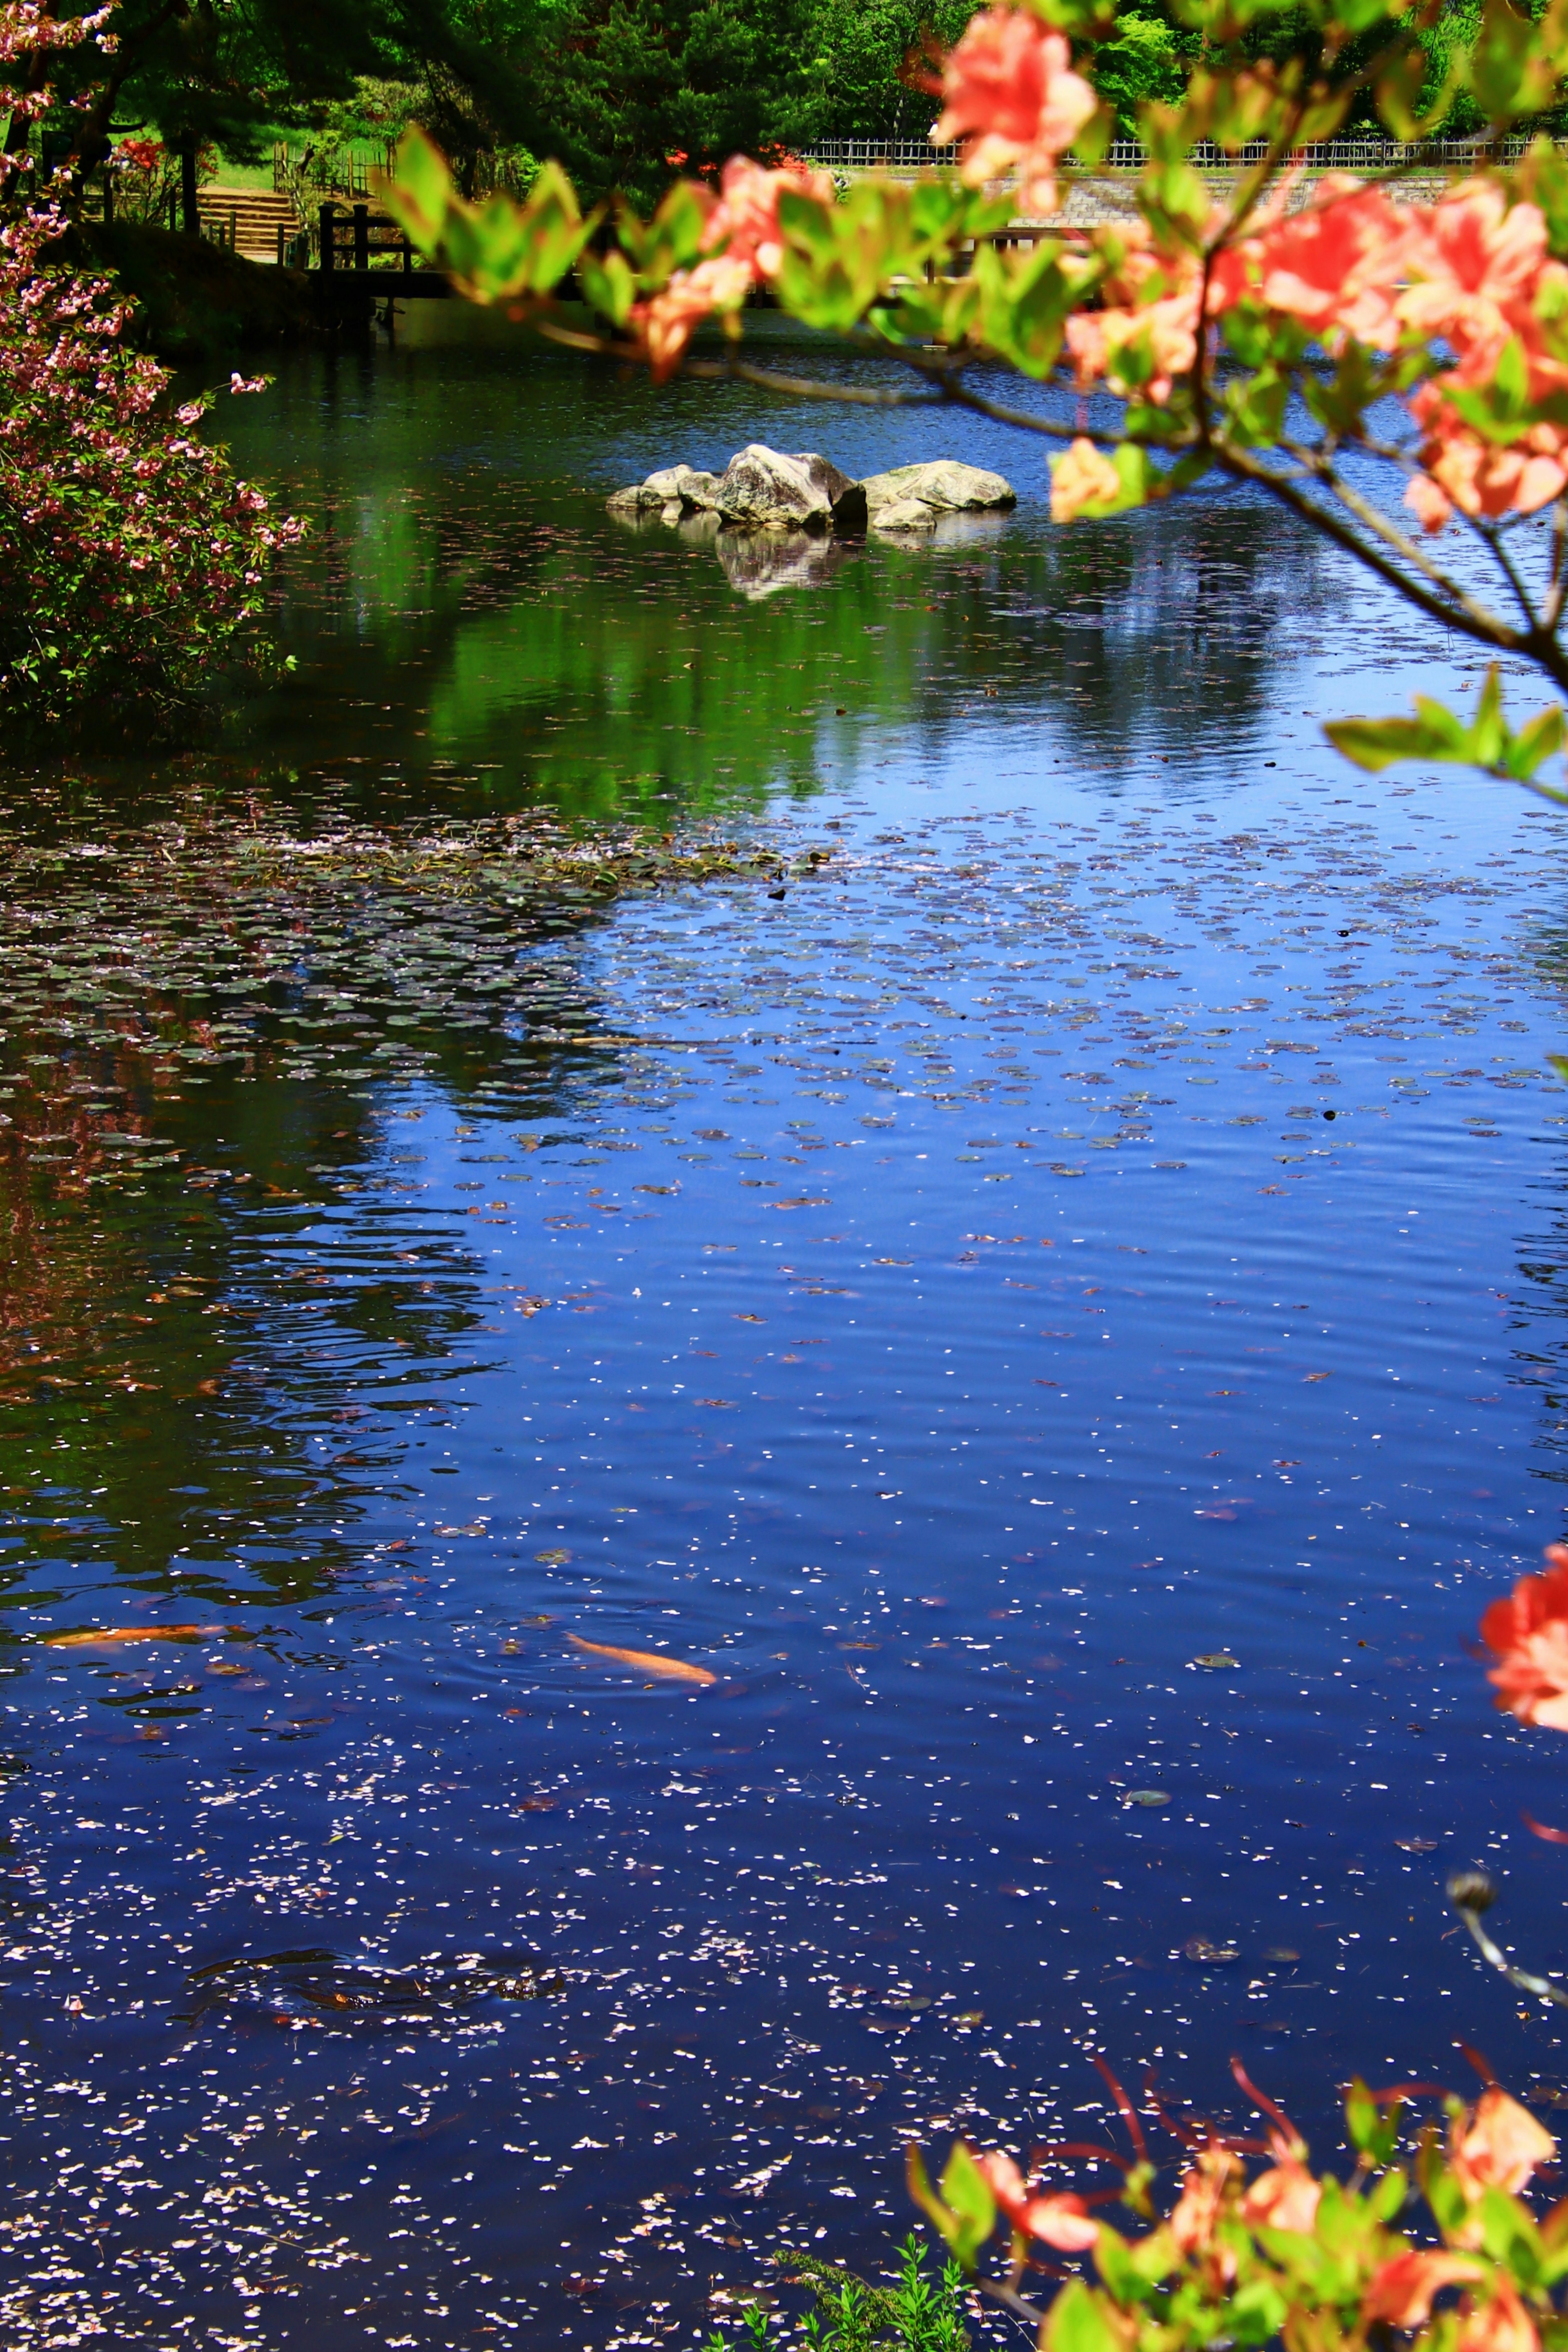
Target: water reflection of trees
(207,1354)
(539,649)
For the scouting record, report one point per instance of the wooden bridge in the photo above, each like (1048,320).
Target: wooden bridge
(366,259)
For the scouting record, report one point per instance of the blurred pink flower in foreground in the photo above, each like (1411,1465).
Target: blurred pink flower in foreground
(1529,1632)
(1008,89)
(1061,2221)
(743,246)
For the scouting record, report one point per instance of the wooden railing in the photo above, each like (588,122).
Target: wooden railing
(1128,155)
(356,238)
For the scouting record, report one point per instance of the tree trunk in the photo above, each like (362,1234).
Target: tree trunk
(191,220)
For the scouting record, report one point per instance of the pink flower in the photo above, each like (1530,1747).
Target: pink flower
(1284,2197)
(1166,329)
(1401,2292)
(1009,91)
(1197,2208)
(1503,2325)
(1337,264)
(666,323)
(743,245)
(1474,262)
(1498,2146)
(1481,477)
(239,383)
(1528,1631)
(1061,2221)
(1081,478)
(744,223)
(1428,502)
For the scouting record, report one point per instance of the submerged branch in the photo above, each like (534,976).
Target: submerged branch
(1472,1892)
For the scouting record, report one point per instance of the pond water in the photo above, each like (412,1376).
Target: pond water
(1081,1095)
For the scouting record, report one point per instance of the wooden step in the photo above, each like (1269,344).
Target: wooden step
(253,217)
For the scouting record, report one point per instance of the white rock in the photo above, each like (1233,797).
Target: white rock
(681,485)
(844,495)
(903,514)
(763,489)
(943,484)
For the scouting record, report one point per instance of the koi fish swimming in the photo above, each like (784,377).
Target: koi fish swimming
(100,1637)
(651,1662)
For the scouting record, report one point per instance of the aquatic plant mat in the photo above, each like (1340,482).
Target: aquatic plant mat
(141,961)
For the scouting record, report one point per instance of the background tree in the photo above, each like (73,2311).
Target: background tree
(632,93)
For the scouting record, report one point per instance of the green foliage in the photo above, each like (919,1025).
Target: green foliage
(1143,61)
(1436,734)
(918,2314)
(1251,2259)
(636,92)
(497,252)
(856,81)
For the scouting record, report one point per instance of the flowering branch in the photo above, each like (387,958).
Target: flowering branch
(1212,326)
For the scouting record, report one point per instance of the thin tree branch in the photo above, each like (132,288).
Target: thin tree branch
(797,387)
(1493,542)
(1026,421)
(1486,629)
(807,388)
(1551,609)
(1010,2300)
(1367,515)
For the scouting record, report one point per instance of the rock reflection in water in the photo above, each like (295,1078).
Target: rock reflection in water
(758,563)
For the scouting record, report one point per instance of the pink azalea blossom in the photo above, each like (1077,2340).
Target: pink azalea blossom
(1500,2324)
(744,223)
(1197,2208)
(1528,1631)
(1400,2293)
(1059,2220)
(744,246)
(1284,2197)
(1009,93)
(1499,2145)
(1081,478)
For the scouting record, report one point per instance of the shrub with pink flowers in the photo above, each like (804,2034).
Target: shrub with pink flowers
(135,561)
(1256,2247)
(1384,360)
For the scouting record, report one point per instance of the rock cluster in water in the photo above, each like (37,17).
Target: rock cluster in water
(762,489)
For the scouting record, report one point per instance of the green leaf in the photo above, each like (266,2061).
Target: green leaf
(1387,2195)
(1362,2116)
(925,2195)
(420,189)
(671,240)
(496,252)
(1077,2322)
(608,285)
(1435,733)
(1514,67)
(1510,2236)
(1542,178)
(969,2197)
